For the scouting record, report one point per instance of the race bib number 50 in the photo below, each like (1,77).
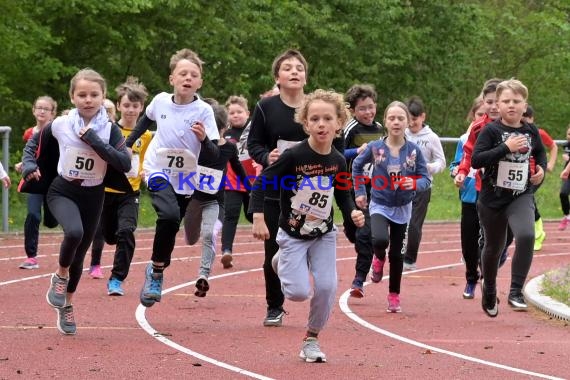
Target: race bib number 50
(83,164)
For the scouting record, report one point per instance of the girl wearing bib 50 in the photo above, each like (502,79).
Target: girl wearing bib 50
(88,141)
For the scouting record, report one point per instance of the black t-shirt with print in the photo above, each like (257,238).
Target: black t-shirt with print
(300,171)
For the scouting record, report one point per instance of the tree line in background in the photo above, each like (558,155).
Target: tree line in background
(441,50)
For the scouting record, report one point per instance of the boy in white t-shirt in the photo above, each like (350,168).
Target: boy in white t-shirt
(185,128)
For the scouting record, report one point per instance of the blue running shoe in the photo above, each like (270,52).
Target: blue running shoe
(357,288)
(469,292)
(114,287)
(152,288)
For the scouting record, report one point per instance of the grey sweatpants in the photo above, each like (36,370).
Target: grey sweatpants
(200,220)
(300,258)
(519,215)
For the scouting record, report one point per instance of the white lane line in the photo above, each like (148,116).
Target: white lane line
(343,303)
(143,322)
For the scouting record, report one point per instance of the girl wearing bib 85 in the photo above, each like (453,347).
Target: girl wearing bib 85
(306,174)
(504,149)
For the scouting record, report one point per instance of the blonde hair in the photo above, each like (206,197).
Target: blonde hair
(185,54)
(88,75)
(327,96)
(399,104)
(239,100)
(515,86)
(477,103)
(48,99)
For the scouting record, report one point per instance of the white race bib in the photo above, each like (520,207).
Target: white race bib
(512,175)
(283,145)
(81,163)
(172,161)
(177,163)
(314,199)
(209,180)
(243,153)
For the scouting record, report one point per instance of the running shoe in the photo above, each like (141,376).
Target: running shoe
(469,292)
(377,269)
(96,272)
(66,320)
(311,351)
(394,303)
(274,317)
(357,288)
(30,263)
(202,286)
(539,240)
(114,287)
(410,266)
(517,301)
(56,293)
(152,288)
(227,259)
(489,301)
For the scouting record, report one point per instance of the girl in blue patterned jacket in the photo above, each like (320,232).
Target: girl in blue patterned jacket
(399,172)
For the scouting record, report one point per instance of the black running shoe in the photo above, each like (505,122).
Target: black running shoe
(274,317)
(516,300)
(489,301)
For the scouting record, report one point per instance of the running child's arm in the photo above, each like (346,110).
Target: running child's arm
(486,152)
(438,162)
(142,126)
(115,152)
(422,181)
(280,167)
(345,203)
(237,167)
(257,138)
(30,168)
(358,170)
(4,177)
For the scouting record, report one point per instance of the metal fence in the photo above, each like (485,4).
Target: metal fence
(5,132)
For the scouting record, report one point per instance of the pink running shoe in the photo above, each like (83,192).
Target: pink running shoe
(393,303)
(95,271)
(377,269)
(563,224)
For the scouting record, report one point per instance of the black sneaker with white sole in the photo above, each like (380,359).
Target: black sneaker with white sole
(489,301)
(517,301)
(274,317)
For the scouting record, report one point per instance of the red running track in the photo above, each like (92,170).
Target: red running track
(438,334)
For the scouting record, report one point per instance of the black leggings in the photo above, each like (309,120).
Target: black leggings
(470,241)
(519,215)
(170,208)
(396,238)
(273,294)
(78,209)
(233,201)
